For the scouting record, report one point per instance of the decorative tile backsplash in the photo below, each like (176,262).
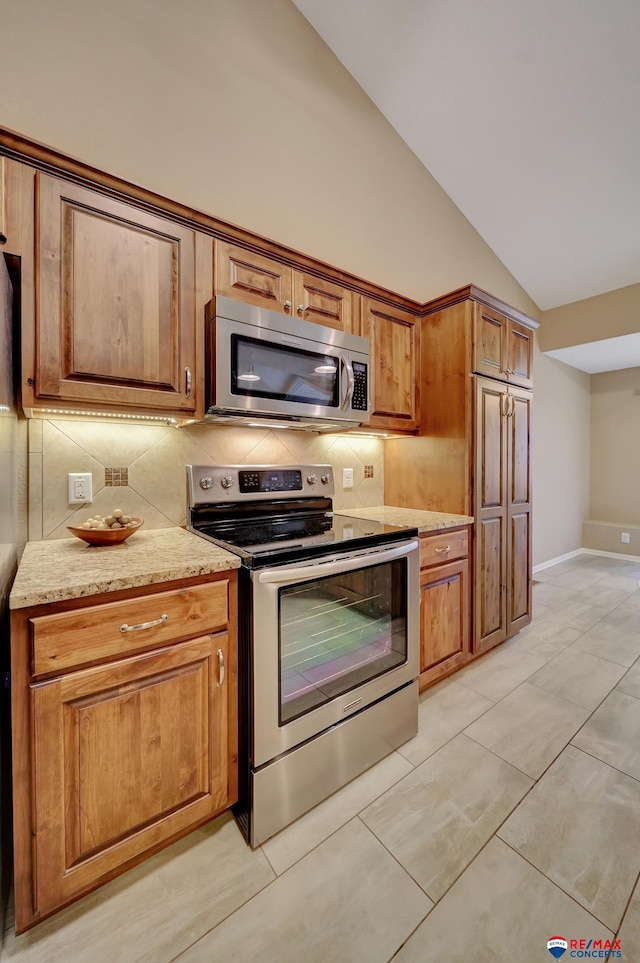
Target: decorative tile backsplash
(150,460)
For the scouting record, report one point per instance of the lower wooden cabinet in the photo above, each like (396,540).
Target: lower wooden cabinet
(125,756)
(445,615)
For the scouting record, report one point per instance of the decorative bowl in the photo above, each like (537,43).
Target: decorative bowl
(106,536)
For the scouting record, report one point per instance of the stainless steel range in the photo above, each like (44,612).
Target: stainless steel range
(328,634)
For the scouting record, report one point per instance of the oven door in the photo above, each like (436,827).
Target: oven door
(330,637)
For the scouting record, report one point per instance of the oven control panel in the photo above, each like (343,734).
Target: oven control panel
(271,480)
(212,484)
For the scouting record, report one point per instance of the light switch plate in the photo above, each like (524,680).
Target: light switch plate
(625,537)
(80,487)
(347,477)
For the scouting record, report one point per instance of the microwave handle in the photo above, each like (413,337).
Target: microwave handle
(348,395)
(334,566)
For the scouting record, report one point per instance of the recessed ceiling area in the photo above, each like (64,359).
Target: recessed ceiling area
(596,356)
(525,111)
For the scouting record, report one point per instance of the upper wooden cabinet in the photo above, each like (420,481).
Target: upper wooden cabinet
(118,304)
(502,347)
(265,282)
(11,174)
(253,278)
(394,343)
(324,302)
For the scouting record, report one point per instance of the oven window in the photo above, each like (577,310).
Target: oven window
(263,370)
(339,632)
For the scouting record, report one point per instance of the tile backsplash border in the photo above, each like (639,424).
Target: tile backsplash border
(155,456)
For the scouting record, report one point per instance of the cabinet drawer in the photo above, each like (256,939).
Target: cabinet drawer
(443,547)
(118,628)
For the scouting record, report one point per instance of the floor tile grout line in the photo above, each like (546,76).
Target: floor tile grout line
(580,706)
(342,825)
(396,860)
(624,692)
(494,834)
(220,921)
(487,841)
(604,763)
(558,886)
(626,908)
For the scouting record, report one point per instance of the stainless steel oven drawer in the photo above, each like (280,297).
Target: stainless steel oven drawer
(288,787)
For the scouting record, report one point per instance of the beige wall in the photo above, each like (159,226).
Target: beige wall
(594,319)
(155,457)
(615,461)
(561,457)
(238,108)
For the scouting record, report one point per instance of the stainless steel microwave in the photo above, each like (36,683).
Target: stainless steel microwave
(266,368)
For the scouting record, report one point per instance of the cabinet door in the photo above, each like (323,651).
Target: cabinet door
(489,342)
(490,510)
(115,307)
(3,203)
(253,278)
(519,510)
(323,301)
(519,354)
(395,365)
(127,757)
(11,174)
(444,620)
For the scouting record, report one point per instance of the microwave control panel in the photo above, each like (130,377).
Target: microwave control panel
(359,402)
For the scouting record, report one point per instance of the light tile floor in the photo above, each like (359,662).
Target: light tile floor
(512,817)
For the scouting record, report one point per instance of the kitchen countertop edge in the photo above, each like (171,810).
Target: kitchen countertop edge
(410,517)
(57,570)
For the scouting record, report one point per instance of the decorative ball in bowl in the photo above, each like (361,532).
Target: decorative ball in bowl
(108,529)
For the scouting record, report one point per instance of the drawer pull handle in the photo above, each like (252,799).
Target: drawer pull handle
(187,382)
(221,668)
(143,625)
(440,551)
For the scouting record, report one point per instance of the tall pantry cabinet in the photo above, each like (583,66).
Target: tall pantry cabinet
(474,453)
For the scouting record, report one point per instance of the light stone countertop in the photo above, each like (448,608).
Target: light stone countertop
(68,568)
(411,517)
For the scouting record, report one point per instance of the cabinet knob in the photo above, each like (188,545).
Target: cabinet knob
(287,305)
(301,310)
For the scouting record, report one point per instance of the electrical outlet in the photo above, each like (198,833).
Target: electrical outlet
(347,477)
(80,487)
(625,537)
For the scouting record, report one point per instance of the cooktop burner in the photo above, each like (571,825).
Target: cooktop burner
(271,515)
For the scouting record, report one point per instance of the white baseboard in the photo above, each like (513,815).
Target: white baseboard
(583,551)
(555,561)
(597,551)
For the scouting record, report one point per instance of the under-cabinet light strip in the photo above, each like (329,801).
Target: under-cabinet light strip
(106,414)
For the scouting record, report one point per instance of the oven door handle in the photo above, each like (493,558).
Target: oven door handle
(335,565)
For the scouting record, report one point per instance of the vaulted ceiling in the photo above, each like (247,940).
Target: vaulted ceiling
(525,111)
